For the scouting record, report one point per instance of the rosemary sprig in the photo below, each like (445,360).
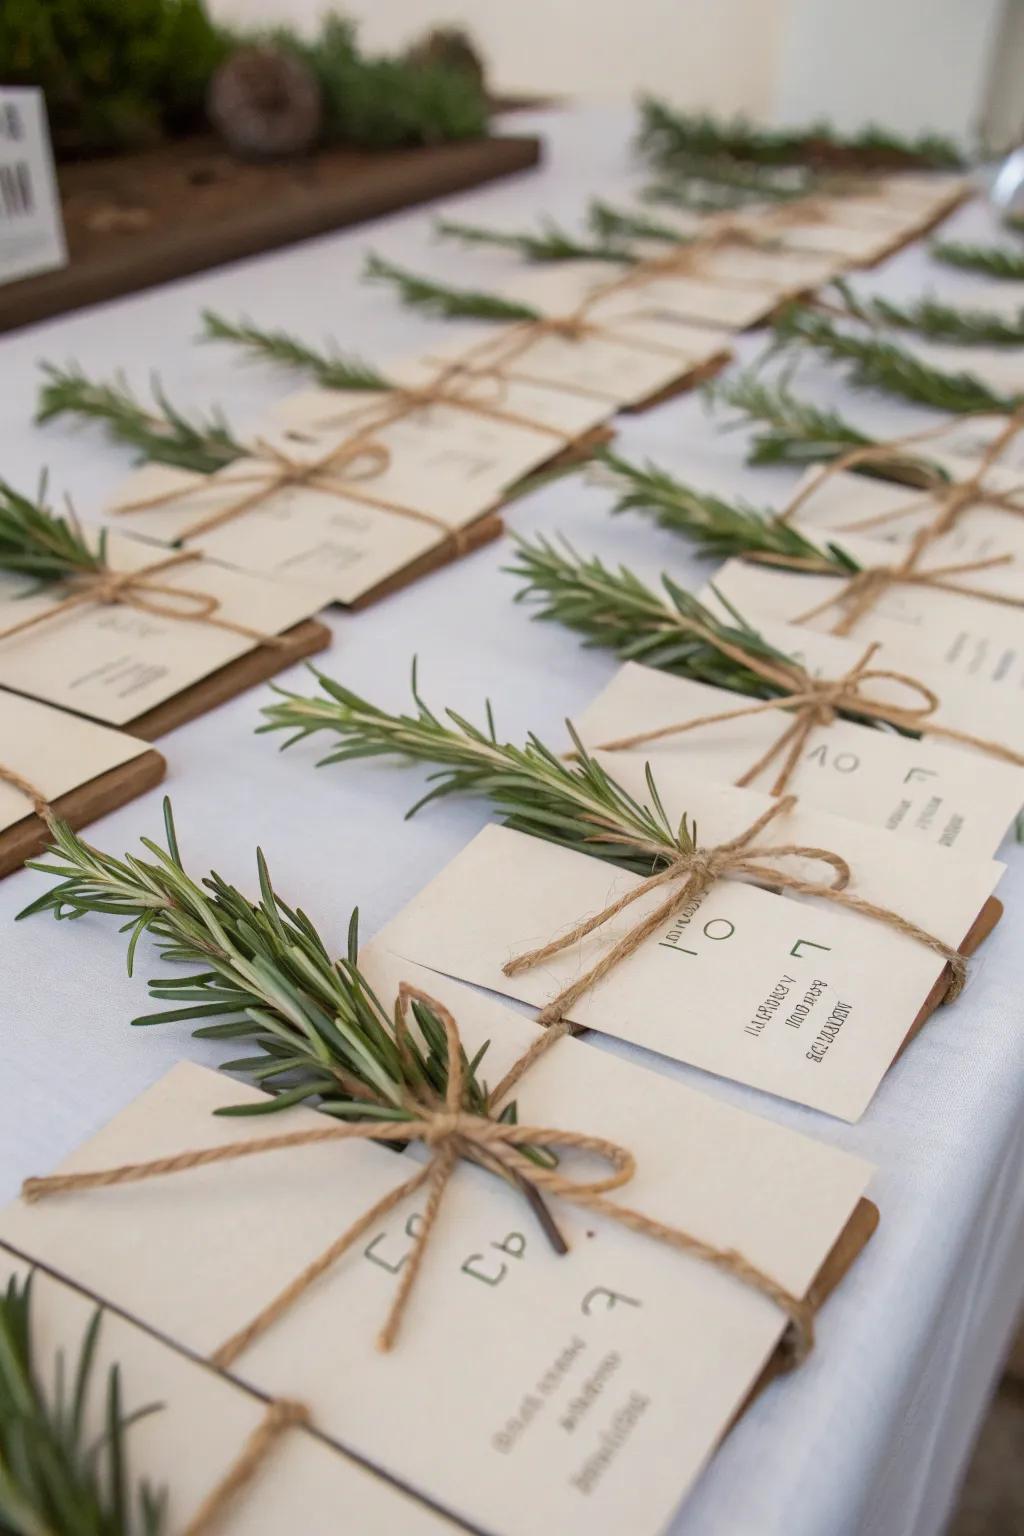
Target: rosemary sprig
(875,363)
(329,367)
(615,610)
(265,976)
(433,298)
(611,224)
(665,133)
(931,317)
(1001,261)
(717,527)
(53,1477)
(164,436)
(791,430)
(42,544)
(550,242)
(574,804)
(695,195)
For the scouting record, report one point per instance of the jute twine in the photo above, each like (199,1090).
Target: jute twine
(451,1133)
(343,469)
(34,796)
(860,591)
(689,873)
(280,1415)
(814,701)
(138,590)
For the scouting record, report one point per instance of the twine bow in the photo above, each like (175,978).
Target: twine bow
(689,873)
(450,1133)
(139,591)
(817,701)
(862,589)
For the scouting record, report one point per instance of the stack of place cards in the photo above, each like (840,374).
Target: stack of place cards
(649,306)
(579,1394)
(425,489)
(129,664)
(845,502)
(198,1428)
(801,998)
(82,770)
(918,788)
(626,364)
(964,642)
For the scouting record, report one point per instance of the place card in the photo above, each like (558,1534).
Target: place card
(800,998)
(785,271)
(962,639)
(818,229)
(629,368)
(927,192)
(629,299)
(580,1393)
(363,524)
(131,663)
(845,502)
(975,707)
(80,769)
(198,1428)
(917,788)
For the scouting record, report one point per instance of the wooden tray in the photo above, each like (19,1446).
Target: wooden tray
(27,838)
(136,220)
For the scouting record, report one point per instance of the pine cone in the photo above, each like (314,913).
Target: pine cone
(264,102)
(452,48)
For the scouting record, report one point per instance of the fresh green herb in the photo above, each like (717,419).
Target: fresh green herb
(549,243)
(330,368)
(435,299)
(163,436)
(1002,261)
(36,542)
(930,317)
(717,527)
(875,363)
(265,976)
(665,134)
(55,1477)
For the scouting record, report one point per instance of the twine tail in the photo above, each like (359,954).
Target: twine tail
(437,1174)
(35,797)
(279,1416)
(233,1347)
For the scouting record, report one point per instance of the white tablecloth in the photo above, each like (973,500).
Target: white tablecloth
(871,1435)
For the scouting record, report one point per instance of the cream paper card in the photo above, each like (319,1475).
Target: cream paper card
(200,1426)
(526,1391)
(795,997)
(917,788)
(622,297)
(850,503)
(620,367)
(924,192)
(849,242)
(777,268)
(560,416)
(969,436)
(963,639)
(54,751)
(975,705)
(114,662)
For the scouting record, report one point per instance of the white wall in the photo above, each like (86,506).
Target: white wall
(719,54)
(911,64)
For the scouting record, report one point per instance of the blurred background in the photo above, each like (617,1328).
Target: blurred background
(950,65)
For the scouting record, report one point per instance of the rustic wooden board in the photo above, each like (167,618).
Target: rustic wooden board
(136,220)
(27,838)
(256,666)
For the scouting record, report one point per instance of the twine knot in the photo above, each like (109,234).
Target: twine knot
(522,1155)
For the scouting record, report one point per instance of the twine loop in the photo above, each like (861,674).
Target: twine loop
(139,591)
(689,873)
(452,1133)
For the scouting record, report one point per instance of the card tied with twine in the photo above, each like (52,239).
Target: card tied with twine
(689,872)
(141,591)
(451,1134)
(862,589)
